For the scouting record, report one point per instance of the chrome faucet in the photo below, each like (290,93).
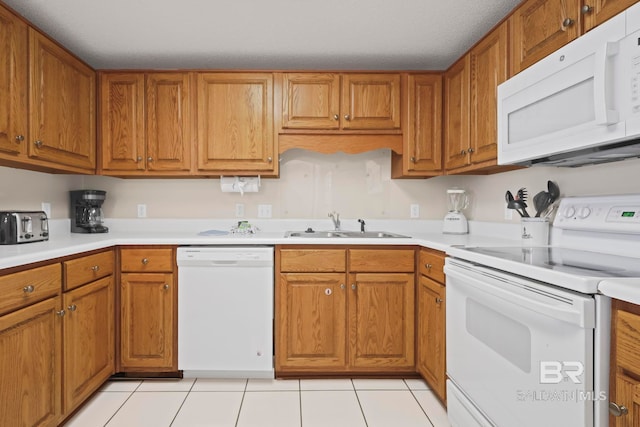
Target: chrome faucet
(361,221)
(335,217)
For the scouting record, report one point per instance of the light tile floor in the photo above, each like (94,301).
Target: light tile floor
(263,403)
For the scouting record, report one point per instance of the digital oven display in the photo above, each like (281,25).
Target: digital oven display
(628,214)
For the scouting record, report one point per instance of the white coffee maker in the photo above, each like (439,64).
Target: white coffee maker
(454,221)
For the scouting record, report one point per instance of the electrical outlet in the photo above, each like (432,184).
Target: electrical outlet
(239,210)
(415,211)
(264,211)
(508,213)
(46,207)
(142,211)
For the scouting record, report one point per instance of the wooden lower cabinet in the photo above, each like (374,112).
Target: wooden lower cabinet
(335,317)
(88,334)
(312,321)
(431,335)
(31,365)
(148,305)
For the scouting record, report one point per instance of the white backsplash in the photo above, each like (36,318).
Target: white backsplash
(310,186)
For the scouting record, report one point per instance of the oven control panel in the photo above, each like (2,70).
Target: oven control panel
(614,214)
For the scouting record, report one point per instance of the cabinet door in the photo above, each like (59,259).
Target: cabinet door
(310,101)
(122,131)
(540,27)
(148,302)
(488,70)
(235,122)
(381,316)
(431,335)
(595,12)
(30,366)
(456,114)
(311,321)
(13,83)
(370,101)
(424,133)
(62,109)
(168,122)
(88,340)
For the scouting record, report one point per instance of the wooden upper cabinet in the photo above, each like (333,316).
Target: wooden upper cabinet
(235,122)
(13,84)
(146,122)
(540,27)
(122,130)
(595,12)
(62,96)
(423,134)
(371,101)
(168,122)
(311,101)
(488,69)
(456,114)
(331,102)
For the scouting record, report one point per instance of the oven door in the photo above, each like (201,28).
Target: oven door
(520,352)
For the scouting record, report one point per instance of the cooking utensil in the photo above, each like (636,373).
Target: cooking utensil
(519,206)
(554,191)
(522,194)
(541,202)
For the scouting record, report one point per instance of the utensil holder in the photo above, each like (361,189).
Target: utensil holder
(534,231)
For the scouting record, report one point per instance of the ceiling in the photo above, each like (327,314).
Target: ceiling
(260,34)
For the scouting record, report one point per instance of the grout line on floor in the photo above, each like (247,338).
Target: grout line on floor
(421,408)
(181,405)
(120,407)
(366,423)
(244,393)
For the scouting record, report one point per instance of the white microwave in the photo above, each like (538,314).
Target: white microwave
(580,105)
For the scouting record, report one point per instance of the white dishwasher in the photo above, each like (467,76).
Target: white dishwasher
(225,311)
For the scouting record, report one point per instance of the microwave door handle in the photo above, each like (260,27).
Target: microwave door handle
(602,84)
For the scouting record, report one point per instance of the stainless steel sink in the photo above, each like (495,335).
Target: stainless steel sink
(343,234)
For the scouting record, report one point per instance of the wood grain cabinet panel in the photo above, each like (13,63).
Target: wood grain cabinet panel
(31,365)
(80,271)
(431,349)
(371,101)
(313,260)
(381,312)
(148,302)
(312,318)
(62,110)
(432,264)
(311,101)
(595,12)
(147,260)
(26,287)
(235,122)
(382,260)
(456,114)
(88,333)
(13,85)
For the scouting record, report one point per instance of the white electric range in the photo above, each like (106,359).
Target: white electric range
(528,327)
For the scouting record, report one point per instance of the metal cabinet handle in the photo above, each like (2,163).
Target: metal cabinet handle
(342,286)
(270,159)
(463,152)
(568,22)
(72,307)
(586,9)
(336,117)
(19,138)
(28,289)
(470,150)
(353,287)
(347,117)
(38,143)
(60,313)
(145,261)
(413,159)
(165,287)
(617,410)
(139,158)
(428,266)
(95,268)
(438,300)
(149,159)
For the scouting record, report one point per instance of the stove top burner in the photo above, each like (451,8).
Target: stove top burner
(567,260)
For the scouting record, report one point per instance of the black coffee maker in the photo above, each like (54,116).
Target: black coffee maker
(86,211)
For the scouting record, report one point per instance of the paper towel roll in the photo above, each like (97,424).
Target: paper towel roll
(239,184)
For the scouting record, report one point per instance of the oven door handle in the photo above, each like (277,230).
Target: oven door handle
(483,290)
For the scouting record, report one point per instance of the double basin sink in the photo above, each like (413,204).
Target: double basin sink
(309,233)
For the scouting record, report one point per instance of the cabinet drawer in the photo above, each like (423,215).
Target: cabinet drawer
(628,341)
(26,287)
(432,264)
(83,270)
(312,260)
(382,260)
(144,259)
